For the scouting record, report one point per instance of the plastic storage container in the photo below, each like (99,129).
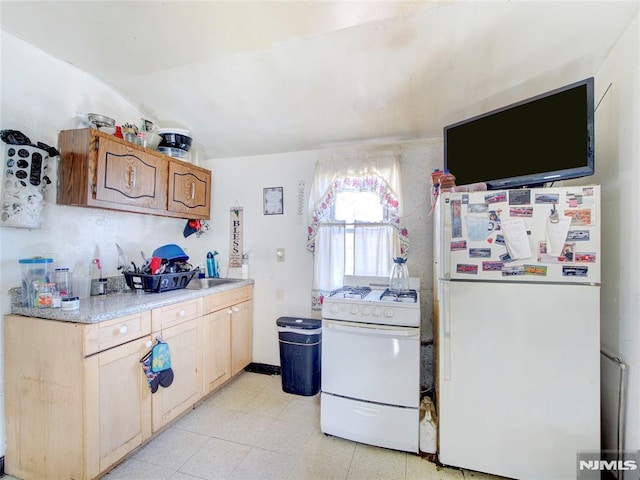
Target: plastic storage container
(300,341)
(35,271)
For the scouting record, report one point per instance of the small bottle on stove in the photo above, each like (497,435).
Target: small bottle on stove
(399,278)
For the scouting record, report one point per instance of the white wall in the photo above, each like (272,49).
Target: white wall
(617,125)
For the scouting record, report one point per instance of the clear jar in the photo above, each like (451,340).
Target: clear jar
(63,281)
(399,278)
(44,295)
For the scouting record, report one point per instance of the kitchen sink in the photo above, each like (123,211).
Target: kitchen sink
(201,283)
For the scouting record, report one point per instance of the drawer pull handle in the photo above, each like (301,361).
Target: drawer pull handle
(182,313)
(124,329)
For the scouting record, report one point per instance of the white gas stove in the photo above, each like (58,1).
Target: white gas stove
(371,364)
(368,300)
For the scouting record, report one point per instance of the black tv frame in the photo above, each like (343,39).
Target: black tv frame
(531,178)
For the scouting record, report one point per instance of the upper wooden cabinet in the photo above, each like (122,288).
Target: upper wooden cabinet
(99,170)
(189,190)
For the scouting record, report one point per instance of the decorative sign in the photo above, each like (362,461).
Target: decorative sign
(235,247)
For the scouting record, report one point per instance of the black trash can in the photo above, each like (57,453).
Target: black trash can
(300,340)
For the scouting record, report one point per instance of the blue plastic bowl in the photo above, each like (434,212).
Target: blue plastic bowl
(171,252)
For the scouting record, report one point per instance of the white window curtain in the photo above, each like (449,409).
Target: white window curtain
(375,245)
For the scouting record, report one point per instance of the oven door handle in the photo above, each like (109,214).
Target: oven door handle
(375,330)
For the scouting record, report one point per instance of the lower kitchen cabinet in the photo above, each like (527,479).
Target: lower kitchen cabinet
(123,408)
(77,400)
(229,335)
(185,342)
(217,354)
(241,336)
(72,411)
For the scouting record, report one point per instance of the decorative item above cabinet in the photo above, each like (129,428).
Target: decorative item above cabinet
(102,171)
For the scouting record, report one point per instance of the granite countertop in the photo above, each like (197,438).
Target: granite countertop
(96,309)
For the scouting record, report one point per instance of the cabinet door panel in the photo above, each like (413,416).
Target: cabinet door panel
(129,176)
(118,404)
(189,190)
(186,348)
(241,336)
(217,353)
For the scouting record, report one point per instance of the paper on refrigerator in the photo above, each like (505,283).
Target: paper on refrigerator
(516,238)
(556,234)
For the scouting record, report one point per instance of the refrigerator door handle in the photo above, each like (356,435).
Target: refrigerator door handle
(446,340)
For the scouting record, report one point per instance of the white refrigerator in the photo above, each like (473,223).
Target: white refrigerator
(517,318)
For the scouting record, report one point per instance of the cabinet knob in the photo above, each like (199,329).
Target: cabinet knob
(182,313)
(229,312)
(149,343)
(236,309)
(124,329)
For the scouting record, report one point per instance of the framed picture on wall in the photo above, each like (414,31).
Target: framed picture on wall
(273,201)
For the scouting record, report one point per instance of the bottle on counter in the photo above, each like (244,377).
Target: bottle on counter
(212,265)
(98,282)
(245,265)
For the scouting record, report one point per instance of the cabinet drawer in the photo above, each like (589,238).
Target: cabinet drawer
(164,317)
(219,301)
(104,335)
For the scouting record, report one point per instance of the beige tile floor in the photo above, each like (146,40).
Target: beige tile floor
(251,429)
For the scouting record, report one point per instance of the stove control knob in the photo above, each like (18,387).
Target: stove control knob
(366,310)
(376,312)
(354,309)
(334,308)
(388,312)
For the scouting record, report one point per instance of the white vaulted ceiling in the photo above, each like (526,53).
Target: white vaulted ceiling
(274,76)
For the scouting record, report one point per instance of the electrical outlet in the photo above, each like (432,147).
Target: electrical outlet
(280,254)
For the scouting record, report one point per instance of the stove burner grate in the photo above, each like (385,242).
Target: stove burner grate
(410,296)
(350,292)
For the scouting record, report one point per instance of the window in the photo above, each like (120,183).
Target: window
(354,220)
(356,208)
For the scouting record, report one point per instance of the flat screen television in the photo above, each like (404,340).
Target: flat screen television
(546,138)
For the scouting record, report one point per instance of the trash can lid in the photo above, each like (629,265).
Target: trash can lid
(297,322)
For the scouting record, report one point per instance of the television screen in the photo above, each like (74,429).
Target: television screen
(542,139)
